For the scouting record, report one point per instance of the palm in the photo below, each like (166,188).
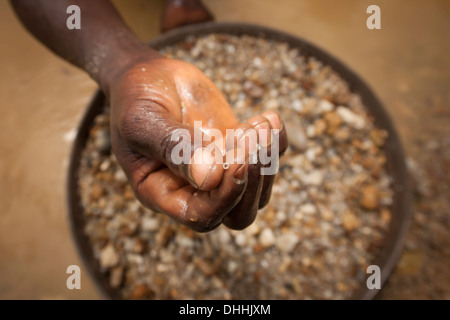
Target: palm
(150,101)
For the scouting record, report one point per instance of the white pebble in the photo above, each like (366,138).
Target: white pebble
(308,208)
(266,238)
(310,131)
(324,106)
(351,118)
(241,239)
(120,176)
(150,224)
(287,242)
(105,165)
(315,178)
(272,104)
(223,236)
(108,257)
(184,241)
(297,105)
(257,62)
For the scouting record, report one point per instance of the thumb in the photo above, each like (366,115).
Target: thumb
(186,150)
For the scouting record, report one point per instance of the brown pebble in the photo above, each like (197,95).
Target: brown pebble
(320,126)
(410,263)
(333,121)
(97,191)
(118,202)
(254,90)
(257,248)
(378,136)
(141,291)
(205,267)
(165,234)
(369,197)
(128,193)
(139,245)
(116,277)
(386,216)
(159,281)
(342,286)
(350,221)
(342,134)
(173,293)
(105,176)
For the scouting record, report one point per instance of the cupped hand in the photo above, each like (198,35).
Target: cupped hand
(152,99)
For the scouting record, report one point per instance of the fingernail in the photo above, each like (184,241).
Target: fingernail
(200,167)
(264,134)
(241,174)
(274,120)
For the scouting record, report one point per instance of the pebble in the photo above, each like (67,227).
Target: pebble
(386,216)
(224,236)
(314,178)
(116,277)
(369,197)
(308,209)
(241,239)
(326,214)
(119,175)
(311,131)
(351,118)
(378,136)
(297,137)
(266,238)
(319,126)
(102,140)
(333,121)
(139,245)
(205,267)
(96,191)
(253,89)
(350,221)
(165,235)
(141,291)
(286,242)
(105,165)
(324,106)
(109,257)
(184,241)
(150,224)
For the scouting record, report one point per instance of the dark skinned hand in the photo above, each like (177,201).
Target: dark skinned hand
(153,96)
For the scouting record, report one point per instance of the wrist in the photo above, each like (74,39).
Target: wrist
(123,55)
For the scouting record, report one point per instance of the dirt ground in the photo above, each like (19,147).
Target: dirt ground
(407,63)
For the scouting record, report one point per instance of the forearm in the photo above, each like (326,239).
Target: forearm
(103,45)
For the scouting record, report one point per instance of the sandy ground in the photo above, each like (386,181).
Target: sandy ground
(43,98)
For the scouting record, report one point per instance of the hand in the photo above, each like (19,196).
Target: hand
(151,98)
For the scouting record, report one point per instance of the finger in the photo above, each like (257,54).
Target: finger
(272,153)
(244,213)
(246,210)
(277,124)
(200,210)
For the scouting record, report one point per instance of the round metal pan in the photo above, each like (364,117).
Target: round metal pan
(401,210)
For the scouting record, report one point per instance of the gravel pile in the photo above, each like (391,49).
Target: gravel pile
(330,206)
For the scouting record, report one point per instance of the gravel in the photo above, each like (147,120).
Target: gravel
(330,206)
